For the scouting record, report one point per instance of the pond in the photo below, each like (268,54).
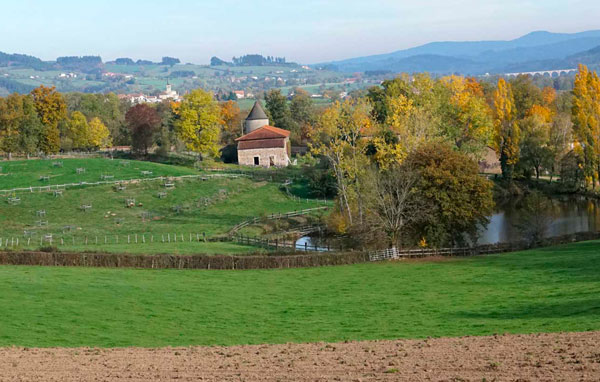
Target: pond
(568,215)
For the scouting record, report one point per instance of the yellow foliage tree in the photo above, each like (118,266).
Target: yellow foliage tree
(99,135)
(79,131)
(340,137)
(507,133)
(199,124)
(468,123)
(52,109)
(586,120)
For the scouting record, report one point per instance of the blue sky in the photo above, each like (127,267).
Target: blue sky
(306,31)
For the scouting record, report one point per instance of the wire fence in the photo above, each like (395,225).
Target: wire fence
(58,187)
(99,240)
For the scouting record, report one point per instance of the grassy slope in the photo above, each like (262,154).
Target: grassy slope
(244,199)
(25,173)
(545,290)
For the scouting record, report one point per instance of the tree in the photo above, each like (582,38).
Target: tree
(525,95)
(143,121)
(30,129)
(278,109)
(78,132)
(559,140)
(586,121)
(199,124)
(468,118)
(534,149)
(232,122)
(457,200)
(52,109)
(397,203)
(507,133)
(339,138)
(11,116)
(303,114)
(412,111)
(99,136)
(107,107)
(170,61)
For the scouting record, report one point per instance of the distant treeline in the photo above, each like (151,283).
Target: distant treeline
(84,64)
(22,60)
(165,61)
(250,60)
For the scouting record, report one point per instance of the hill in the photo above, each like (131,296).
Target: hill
(477,57)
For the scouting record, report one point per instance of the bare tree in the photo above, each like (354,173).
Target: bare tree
(396,203)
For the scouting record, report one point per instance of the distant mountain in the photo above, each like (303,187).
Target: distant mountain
(477,57)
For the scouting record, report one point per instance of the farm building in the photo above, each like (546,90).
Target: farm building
(266,146)
(263,145)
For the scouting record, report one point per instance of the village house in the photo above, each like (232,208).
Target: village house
(138,98)
(263,145)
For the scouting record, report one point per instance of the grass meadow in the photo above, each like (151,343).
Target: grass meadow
(192,207)
(545,290)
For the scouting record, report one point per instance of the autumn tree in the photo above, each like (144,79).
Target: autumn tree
(78,132)
(586,121)
(106,107)
(411,106)
(99,135)
(199,124)
(340,138)
(507,133)
(232,122)
(11,116)
(457,201)
(468,118)
(52,109)
(143,122)
(525,95)
(536,128)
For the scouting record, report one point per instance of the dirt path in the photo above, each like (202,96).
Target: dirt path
(544,357)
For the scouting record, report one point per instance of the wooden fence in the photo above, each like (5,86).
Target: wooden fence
(395,253)
(234,230)
(275,260)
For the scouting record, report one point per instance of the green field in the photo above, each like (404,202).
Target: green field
(196,207)
(26,173)
(547,290)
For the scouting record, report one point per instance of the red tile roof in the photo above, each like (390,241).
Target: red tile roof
(265,132)
(262,144)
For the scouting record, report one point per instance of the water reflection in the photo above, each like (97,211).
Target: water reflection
(568,215)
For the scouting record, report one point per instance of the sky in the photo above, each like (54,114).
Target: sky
(306,31)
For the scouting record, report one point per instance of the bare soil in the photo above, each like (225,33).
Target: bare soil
(543,357)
